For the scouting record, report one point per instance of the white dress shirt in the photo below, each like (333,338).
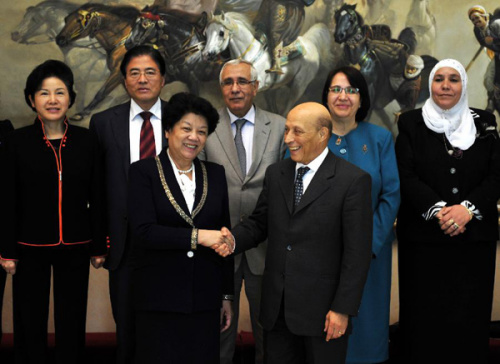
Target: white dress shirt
(135,125)
(313,168)
(246,132)
(188,186)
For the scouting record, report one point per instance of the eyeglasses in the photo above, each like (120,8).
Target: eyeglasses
(349,90)
(149,74)
(242,82)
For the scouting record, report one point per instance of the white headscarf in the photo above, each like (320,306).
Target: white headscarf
(456,123)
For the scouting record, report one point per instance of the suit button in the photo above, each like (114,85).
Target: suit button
(242,217)
(289,248)
(190,254)
(343,151)
(454,190)
(453,171)
(243,188)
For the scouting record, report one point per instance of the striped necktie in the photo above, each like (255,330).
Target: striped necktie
(148,146)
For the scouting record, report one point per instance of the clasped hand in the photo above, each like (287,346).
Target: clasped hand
(453,219)
(221,241)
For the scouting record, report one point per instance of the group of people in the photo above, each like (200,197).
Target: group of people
(194,201)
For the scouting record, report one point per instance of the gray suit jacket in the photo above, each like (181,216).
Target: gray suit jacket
(319,253)
(268,148)
(112,129)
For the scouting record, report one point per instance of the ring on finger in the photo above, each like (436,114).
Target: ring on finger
(456,226)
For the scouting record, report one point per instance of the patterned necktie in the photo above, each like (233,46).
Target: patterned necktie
(147,147)
(240,148)
(299,186)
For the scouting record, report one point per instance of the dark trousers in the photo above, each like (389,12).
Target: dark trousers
(3,278)
(281,346)
(123,313)
(31,288)
(253,289)
(175,338)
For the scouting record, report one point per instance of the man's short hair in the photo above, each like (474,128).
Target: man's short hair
(234,62)
(142,50)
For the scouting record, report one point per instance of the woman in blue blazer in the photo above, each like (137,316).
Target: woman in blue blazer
(371,148)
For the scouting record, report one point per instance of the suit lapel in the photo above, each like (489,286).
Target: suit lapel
(286,182)
(121,130)
(226,139)
(262,130)
(319,184)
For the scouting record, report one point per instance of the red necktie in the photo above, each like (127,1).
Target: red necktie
(148,147)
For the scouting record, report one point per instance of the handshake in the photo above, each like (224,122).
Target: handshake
(221,241)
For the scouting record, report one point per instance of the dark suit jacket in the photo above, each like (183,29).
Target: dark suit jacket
(112,129)
(428,174)
(167,274)
(318,256)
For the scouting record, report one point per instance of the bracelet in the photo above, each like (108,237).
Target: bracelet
(471,214)
(194,239)
(228,297)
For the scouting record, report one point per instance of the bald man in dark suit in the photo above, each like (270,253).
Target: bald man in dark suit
(315,210)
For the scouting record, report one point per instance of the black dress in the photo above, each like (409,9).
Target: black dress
(446,283)
(177,290)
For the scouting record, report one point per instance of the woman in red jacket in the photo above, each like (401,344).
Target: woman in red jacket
(53,218)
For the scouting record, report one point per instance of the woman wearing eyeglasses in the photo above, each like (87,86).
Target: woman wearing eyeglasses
(371,148)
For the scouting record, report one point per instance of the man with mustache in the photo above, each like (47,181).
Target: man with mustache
(246,141)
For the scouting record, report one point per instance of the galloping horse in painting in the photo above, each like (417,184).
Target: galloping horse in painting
(423,23)
(378,58)
(179,38)
(300,63)
(42,22)
(110,25)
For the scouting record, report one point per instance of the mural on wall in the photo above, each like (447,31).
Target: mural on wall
(292,47)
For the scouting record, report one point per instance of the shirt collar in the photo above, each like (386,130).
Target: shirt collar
(250,116)
(315,163)
(135,109)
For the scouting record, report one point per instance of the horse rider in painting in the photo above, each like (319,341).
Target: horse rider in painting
(281,21)
(407,85)
(488,35)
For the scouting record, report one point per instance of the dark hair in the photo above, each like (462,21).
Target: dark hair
(142,50)
(50,68)
(184,103)
(356,79)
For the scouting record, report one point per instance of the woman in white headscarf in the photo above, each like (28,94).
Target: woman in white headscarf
(449,164)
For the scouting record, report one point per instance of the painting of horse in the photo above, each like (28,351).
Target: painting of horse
(423,23)
(40,25)
(378,56)
(179,38)
(110,25)
(234,31)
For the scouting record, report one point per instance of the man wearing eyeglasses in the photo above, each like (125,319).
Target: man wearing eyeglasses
(127,133)
(246,141)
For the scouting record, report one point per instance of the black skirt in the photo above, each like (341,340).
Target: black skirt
(174,338)
(446,293)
